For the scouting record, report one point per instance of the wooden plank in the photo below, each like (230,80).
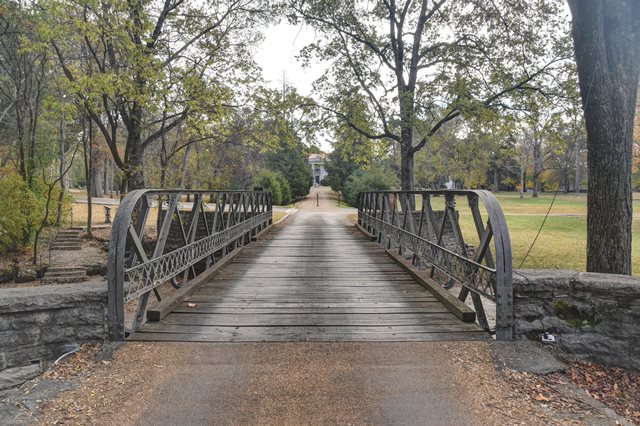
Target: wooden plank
(212,308)
(303,292)
(312,267)
(323,261)
(302,300)
(313,280)
(325,337)
(367,234)
(380,294)
(312,274)
(435,308)
(166,306)
(254,320)
(279,283)
(317,305)
(256,332)
(457,307)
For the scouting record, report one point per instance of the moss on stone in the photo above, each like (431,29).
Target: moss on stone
(574,316)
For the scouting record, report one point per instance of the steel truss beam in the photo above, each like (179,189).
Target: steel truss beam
(139,261)
(418,233)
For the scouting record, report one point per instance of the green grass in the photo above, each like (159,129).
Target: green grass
(563,239)
(562,243)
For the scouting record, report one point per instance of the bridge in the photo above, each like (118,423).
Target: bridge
(212,267)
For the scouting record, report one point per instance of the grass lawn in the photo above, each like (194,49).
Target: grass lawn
(562,242)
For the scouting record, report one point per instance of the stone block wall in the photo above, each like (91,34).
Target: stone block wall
(594,316)
(37,323)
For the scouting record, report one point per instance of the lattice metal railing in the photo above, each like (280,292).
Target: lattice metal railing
(191,232)
(454,247)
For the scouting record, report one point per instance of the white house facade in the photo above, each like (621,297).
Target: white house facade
(317,162)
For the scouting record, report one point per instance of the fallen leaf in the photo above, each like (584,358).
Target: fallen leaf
(541,397)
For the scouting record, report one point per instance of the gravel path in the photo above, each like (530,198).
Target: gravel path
(296,383)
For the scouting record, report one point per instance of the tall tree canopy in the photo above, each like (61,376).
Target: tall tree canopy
(423,63)
(142,68)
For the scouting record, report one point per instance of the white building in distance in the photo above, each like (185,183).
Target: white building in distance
(317,162)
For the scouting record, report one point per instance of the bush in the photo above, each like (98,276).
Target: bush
(19,212)
(377,178)
(275,183)
(291,162)
(285,188)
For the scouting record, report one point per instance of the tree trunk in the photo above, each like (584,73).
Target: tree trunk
(105,178)
(185,166)
(96,179)
(134,158)
(406,165)
(163,174)
(537,169)
(522,182)
(606,39)
(406,99)
(496,180)
(31,151)
(22,167)
(63,169)
(135,175)
(88,147)
(576,183)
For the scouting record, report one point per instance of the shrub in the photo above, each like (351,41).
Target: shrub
(270,181)
(291,162)
(285,189)
(377,178)
(19,212)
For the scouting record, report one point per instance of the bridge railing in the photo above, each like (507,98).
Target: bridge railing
(172,236)
(453,244)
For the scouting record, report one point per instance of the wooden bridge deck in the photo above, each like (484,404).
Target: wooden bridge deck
(315,279)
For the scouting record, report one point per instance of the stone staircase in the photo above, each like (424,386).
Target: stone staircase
(64,274)
(67,239)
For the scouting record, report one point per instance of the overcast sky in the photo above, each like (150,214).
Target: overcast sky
(277,55)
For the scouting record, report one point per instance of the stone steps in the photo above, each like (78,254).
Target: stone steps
(62,275)
(65,268)
(62,280)
(72,273)
(67,239)
(66,247)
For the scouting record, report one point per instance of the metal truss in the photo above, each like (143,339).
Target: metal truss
(406,221)
(188,237)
